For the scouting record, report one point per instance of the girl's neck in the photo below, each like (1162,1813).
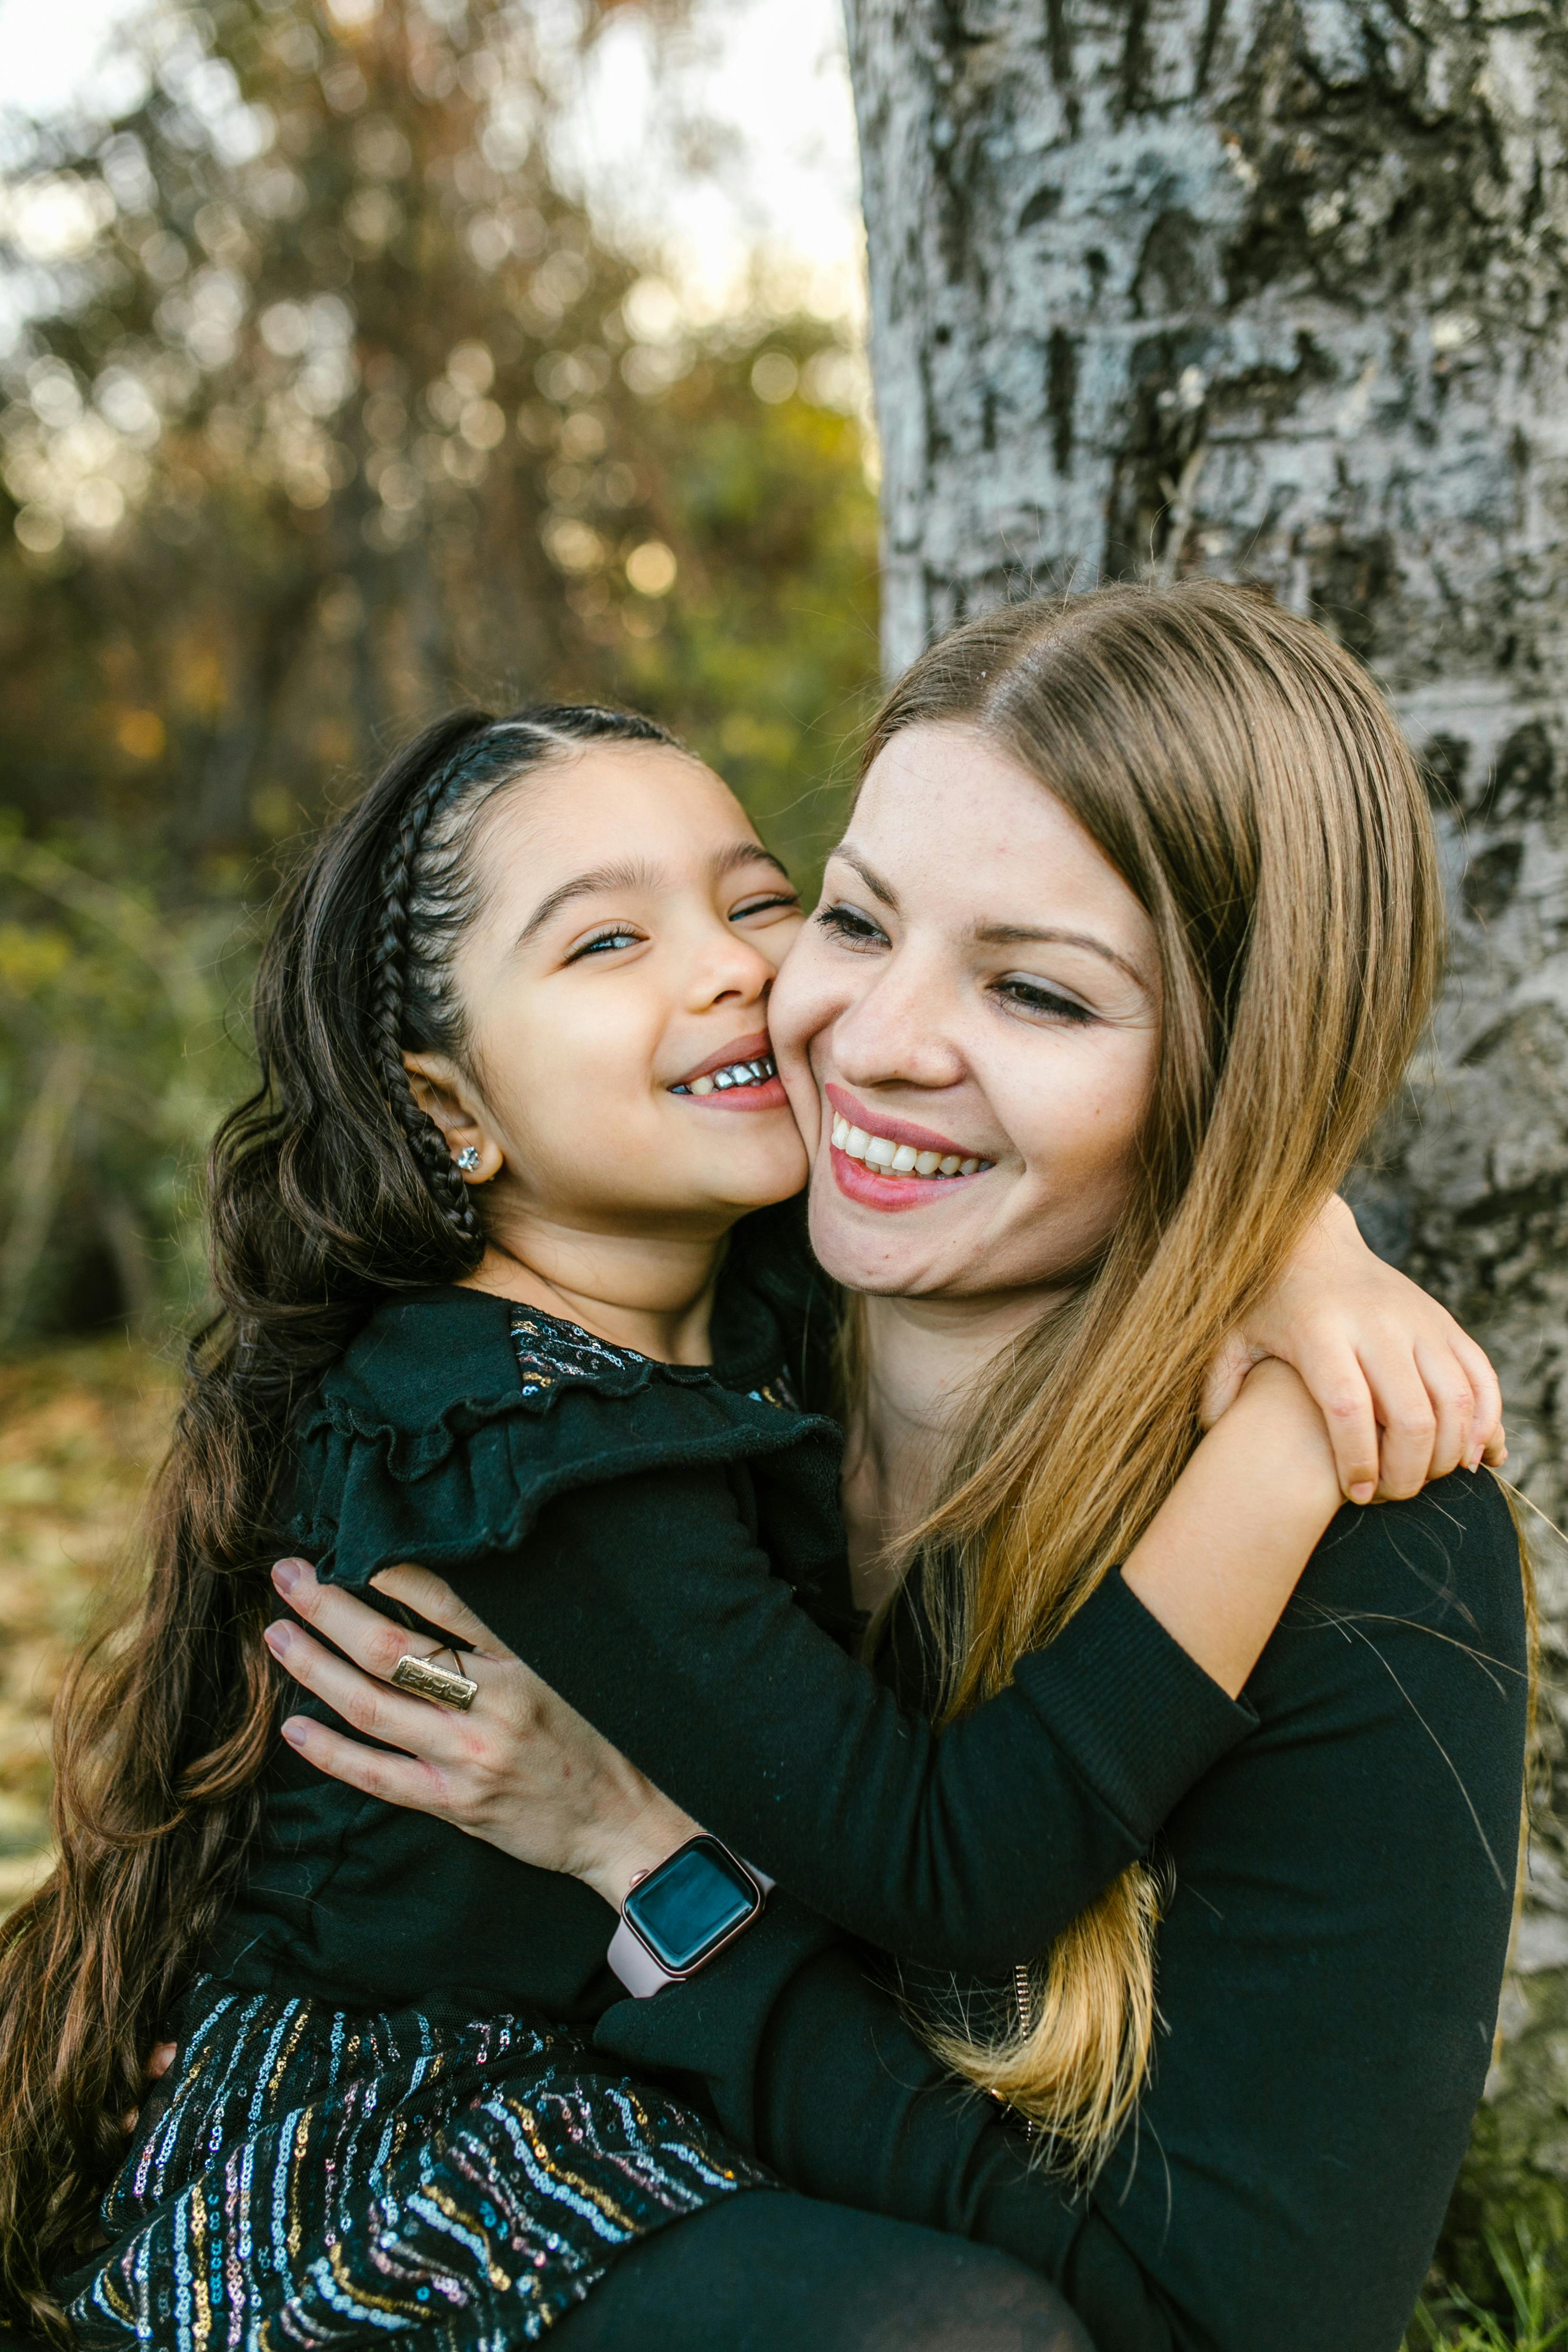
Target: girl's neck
(655,1296)
(924,1358)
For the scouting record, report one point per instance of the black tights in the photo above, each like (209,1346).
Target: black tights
(765,2271)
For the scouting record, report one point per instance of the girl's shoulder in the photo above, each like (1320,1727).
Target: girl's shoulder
(454,1417)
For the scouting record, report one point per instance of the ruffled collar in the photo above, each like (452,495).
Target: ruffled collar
(554,1354)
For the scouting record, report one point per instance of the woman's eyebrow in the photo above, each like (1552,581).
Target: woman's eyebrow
(1022,935)
(871,879)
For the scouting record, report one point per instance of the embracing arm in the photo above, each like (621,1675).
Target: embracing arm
(959,1850)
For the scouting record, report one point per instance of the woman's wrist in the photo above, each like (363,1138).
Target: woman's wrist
(624,1858)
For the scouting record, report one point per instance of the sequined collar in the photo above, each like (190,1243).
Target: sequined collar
(552,1354)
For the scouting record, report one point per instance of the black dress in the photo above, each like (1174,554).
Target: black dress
(386,2113)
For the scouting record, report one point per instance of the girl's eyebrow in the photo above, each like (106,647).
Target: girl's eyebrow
(635,874)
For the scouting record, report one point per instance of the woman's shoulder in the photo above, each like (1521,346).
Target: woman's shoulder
(454,1416)
(1409,1604)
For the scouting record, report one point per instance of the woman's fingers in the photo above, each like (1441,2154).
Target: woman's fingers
(405,1780)
(421,1589)
(1408,1417)
(371,1705)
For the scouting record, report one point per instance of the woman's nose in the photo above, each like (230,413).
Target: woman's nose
(896,1028)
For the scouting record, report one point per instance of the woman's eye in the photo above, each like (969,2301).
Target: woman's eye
(1034,996)
(606,942)
(849,924)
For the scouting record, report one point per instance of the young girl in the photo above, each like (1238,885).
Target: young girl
(470,1238)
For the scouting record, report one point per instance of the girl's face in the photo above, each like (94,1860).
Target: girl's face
(967,1028)
(630,924)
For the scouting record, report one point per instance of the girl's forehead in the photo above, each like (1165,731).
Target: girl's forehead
(636,800)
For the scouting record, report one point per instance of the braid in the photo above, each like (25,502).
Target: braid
(427,893)
(388,990)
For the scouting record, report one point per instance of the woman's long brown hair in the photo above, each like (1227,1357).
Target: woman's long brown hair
(329,1190)
(1252,788)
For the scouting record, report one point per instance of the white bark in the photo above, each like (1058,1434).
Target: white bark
(1278,289)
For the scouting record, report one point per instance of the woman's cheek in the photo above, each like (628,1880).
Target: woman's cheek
(804,1004)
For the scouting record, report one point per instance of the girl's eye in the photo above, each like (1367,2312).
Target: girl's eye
(606,942)
(849,924)
(1034,996)
(776,901)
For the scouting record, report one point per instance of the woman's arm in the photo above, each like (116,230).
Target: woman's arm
(1330,1968)
(959,1850)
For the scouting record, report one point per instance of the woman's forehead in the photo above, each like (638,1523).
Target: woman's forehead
(947,818)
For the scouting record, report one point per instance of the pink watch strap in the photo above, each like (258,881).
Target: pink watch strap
(631,1960)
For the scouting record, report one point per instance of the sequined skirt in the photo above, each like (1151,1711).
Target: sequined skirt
(320,2178)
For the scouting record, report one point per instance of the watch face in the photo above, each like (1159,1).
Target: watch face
(691,1903)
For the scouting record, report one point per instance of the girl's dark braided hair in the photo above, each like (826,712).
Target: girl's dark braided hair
(329,1189)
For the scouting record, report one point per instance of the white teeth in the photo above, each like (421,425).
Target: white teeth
(739,1073)
(892,1159)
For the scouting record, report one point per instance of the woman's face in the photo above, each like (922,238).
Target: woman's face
(977,992)
(618,973)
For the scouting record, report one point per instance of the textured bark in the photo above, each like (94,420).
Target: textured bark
(1276,290)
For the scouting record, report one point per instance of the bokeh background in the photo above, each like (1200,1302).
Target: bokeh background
(358,356)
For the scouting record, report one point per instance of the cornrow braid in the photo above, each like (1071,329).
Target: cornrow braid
(389,990)
(429,893)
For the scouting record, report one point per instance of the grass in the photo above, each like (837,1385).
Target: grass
(81,1427)
(1535,2284)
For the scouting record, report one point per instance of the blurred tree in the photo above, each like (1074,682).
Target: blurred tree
(329,406)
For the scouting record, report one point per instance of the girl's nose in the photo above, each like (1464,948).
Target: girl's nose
(731,967)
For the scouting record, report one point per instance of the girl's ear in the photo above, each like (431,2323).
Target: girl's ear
(446,1096)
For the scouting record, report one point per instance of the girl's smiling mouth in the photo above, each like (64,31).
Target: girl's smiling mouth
(742,1076)
(888,1163)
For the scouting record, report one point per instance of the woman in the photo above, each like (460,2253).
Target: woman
(1214,912)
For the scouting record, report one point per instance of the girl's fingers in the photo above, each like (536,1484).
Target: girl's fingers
(371,1705)
(1453,1403)
(1485,1417)
(1338,1387)
(1408,1419)
(421,1589)
(405,1781)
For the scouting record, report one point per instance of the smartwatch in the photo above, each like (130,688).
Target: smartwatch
(679,1916)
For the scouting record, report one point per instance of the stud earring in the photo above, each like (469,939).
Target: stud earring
(468,1158)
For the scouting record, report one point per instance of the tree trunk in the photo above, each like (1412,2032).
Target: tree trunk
(1274,289)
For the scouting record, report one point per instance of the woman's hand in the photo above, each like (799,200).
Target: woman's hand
(1407,1394)
(521,1769)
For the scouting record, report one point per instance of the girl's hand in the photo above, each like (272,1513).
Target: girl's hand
(521,1769)
(1376,1356)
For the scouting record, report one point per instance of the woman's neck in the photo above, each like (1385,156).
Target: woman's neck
(924,1358)
(655,1296)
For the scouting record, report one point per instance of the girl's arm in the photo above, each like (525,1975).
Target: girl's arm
(958,1851)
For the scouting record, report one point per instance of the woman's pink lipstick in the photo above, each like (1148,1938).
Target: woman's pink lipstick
(869,1186)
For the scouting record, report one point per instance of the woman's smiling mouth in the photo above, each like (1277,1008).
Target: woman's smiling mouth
(887,1163)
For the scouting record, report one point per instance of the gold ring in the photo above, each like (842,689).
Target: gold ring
(417,1675)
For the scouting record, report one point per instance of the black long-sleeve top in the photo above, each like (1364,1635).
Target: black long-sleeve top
(645,1536)
(657,1542)
(1328,1977)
